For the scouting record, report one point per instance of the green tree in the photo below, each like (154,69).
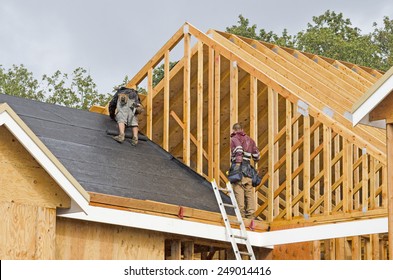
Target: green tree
(18,81)
(383,38)
(79,91)
(243,29)
(158,73)
(333,36)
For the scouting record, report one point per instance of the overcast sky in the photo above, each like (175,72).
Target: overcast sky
(115,38)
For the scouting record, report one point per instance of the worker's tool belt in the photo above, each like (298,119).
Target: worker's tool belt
(235,173)
(245,169)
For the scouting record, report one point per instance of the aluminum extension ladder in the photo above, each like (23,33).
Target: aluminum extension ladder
(235,239)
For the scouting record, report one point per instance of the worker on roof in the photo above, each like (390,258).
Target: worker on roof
(243,148)
(128,106)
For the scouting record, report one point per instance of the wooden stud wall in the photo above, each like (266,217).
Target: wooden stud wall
(314,164)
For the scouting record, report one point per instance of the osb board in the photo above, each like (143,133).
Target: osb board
(27,232)
(83,240)
(23,180)
(295,251)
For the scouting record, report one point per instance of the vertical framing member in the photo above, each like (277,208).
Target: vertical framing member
(186,97)
(288,160)
(165,134)
(199,165)
(217,104)
(149,105)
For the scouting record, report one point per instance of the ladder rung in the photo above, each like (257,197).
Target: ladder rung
(240,237)
(228,205)
(245,253)
(225,190)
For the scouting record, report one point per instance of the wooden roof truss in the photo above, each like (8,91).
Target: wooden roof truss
(316,166)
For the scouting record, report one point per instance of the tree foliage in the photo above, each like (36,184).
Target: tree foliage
(332,35)
(19,81)
(76,90)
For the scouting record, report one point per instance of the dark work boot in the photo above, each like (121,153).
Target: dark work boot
(134,141)
(119,138)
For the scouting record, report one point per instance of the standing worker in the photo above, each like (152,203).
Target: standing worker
(243,148)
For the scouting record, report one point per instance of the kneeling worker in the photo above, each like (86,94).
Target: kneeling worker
(127,108)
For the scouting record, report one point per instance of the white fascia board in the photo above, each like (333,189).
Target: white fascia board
(156,223)
(337,230)
(44,161)
(213,232)
(372,101)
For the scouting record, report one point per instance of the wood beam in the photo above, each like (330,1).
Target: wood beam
(217,97)
(165,134)
(175,249)
(210,117)
(188,250)
(272,113)
(149,105)
(327,139)
(288,160)
(186,99)
(389,141)
(199,163)
(169,45)
(307,167)
(233,98)
(254,108)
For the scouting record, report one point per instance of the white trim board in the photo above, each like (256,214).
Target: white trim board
(360,115)
(201,230)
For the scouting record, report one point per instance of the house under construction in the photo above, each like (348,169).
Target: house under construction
(68,191)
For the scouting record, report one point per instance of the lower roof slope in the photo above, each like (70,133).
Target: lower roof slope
(78,139)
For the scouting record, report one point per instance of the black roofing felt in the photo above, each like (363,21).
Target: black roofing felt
(79,141)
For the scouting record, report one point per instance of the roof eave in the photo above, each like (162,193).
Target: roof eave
(374,96)
(79,197)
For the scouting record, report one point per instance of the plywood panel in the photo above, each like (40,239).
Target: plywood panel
(296,251)
(76,240)
(23,180)
(26,232)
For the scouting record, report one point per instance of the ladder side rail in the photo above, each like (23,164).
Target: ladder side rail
(226,220)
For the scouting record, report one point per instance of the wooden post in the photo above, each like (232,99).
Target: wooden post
(356,248)
(347,174)
(210,116)
(186,99)
(217,96)
(165,134)
(254,108)
(389,141)
(288,160)
(188,250)
(149,104)
(199,166)
(175,249)
(306,168)
(327,139)
(271,161)
(233,99)
(365,182)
